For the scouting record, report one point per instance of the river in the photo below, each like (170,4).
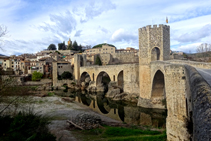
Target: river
(123,111)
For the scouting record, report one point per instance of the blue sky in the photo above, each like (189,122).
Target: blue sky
(34,24)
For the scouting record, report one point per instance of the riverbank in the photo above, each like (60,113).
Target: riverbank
(60,110)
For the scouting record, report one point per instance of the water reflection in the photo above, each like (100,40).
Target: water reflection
(125,112)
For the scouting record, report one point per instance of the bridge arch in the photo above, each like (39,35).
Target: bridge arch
(158,85)
(84,75)
(120,79)
(103,78)
(155,53)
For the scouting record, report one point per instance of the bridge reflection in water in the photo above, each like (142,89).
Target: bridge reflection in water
(122,111)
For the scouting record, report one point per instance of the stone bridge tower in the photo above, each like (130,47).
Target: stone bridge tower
(154,44)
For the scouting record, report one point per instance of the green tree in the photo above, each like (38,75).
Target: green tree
(98,61)
(80,47)
(61,46)
(75,46)
(69,47)
(36,76)
(66,75)
(52,47)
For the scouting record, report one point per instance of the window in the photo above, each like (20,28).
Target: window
(61,66)
(12,62)
(40,67)
(12,66)
(58,66)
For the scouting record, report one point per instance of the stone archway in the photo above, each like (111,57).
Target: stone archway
(103,80)
(85,77)
(158,85)
(155,54)
(120,79)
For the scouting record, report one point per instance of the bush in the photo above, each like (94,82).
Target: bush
(36,76)
(25,126)
(66,75)
(98,61)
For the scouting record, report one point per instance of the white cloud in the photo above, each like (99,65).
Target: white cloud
(195,35)
(187,48)
(78,33)
(122,35)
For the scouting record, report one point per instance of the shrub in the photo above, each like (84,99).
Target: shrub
(98,61)
(25,126)
(66,75)
(36,76)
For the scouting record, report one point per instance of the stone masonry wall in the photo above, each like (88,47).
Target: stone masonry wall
(175,82)
(130,75)
(192,63)
(125,57)
(201,105)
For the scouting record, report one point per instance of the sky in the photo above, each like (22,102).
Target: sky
(35,24)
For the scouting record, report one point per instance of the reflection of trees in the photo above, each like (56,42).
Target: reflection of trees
(85,100)
(154,117)
(121,112)
(101,103)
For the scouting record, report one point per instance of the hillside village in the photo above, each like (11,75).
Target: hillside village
(26,64)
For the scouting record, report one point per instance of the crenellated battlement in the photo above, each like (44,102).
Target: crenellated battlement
(154,43)
(148,27)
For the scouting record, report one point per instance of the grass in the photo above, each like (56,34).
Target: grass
(51,93)
(108,133)
(25,126)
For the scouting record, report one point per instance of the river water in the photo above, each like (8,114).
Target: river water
(118,110)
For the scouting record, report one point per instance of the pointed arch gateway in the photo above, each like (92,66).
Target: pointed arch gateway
(158,86)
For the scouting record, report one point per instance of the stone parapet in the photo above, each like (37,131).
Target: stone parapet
(200,102)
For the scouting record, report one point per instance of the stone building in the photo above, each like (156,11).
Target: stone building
(103,49)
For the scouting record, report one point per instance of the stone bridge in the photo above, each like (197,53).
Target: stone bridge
(125,75)
(167,80)
(161,83)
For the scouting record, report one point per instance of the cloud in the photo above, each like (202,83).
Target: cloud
(78,33)
(61,24)
(95,8)
(102,30)
(196,35)
(121,35)
(186,47)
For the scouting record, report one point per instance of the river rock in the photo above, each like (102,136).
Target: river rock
(83,84)
(100,89)
(112,93)
(112,84)
(87,121)
(49,88)
(40,88)
(87,80)
(91,89)
(71,86)
(120,96)
(77,88)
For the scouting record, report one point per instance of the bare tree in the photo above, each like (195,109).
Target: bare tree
(3,33)
(204,50)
